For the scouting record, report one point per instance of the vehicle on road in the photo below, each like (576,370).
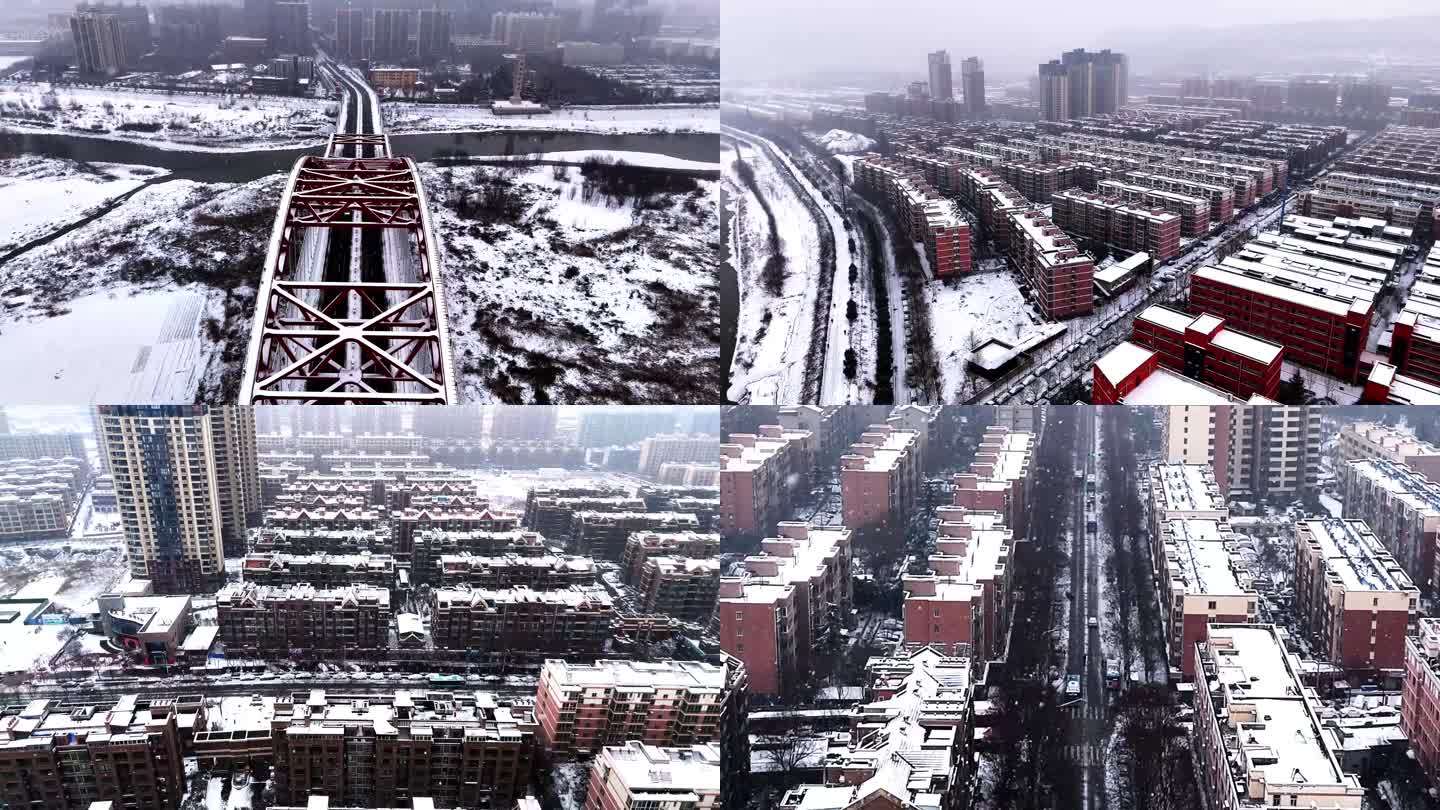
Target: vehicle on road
(1094,622)
(1112,673)
(1072,686)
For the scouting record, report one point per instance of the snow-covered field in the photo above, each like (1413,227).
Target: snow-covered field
(42,194)
(572,296)
(774,331)
(650,160)
(965,313)
(404,117)
(177,120)
(154,303)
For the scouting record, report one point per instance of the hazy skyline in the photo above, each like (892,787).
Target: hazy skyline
(785,38)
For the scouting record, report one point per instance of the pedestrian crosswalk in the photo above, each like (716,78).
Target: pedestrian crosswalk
(1089,711)
(1085,754)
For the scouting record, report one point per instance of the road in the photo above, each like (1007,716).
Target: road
(1089,717)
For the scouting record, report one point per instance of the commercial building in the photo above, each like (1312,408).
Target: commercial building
(962,605)
(910,739)
(1059,274)
(635,775)
(880,479)
(259,619)
(1366,440)
(792,595)
(69,756)
(580,708)
(1199,569)
(169,463)
(458,749)
(1258,740)
(760,473)
(999,478)
(1401,507)
(574,620)
(1354,600)
(152,627)
(1202,348)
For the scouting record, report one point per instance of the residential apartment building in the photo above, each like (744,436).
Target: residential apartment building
(457,749)
(1251,451)
(1203,348)
(920,695)
(683,587)
(641,546)
(581,708)
(42,445)
(1258,741)
(999,479)
(676,447)
(1354,599)
(166,461)
(635,776)
(792,595)
(1060,275)
(326,571)
(1112,221)
(1200,572)
(922,211)
(880,479)
(551,512)
(760,474)
(260,619)
(525,31)
(962,605)
(63,755)
(100,44)
(603,535)
(1366,440)
(542,573)
(1401,507)
(575,620)
(1420,700)
(972,83)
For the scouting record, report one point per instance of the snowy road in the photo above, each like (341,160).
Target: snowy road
(895,293)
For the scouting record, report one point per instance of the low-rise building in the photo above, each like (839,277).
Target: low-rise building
(573,620)
(542,573)
(277,568)
(154,627)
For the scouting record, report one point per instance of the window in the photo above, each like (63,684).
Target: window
(1212,605)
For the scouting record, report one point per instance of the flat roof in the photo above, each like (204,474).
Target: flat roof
(1187,487)
(1352,552)
(1165,387)
(1234,278)
(1202,556)
(1248,346)
(1121,361)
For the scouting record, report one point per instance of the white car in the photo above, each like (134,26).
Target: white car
(1094,622)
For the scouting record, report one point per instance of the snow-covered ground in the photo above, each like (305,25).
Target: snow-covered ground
(841,142)
(965,313)
(404,117)
(42,194)
(576,297)
(176,120)
(155,295)
(651,160)
(774,331)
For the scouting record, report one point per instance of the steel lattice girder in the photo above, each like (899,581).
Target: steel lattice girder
(300,343)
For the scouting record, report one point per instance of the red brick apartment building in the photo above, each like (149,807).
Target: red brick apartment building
(635,776)
(1199,572)
(925,215)
(758,474)
(1385,386)
(790,597)
(1415,344)
(1115,222)
(1060,275)
(1401,507)
(1203,348)
(1354,600)
(1316,329)
(255,619)
(641,546)
(999,478)
(1221,198)
(880,478)
(1420,700)
(580,708)
(1194,212)
(962,605)
(573,620)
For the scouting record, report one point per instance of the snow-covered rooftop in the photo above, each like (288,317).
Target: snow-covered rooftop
(1122,361)
(1166,387)
(1354,554)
